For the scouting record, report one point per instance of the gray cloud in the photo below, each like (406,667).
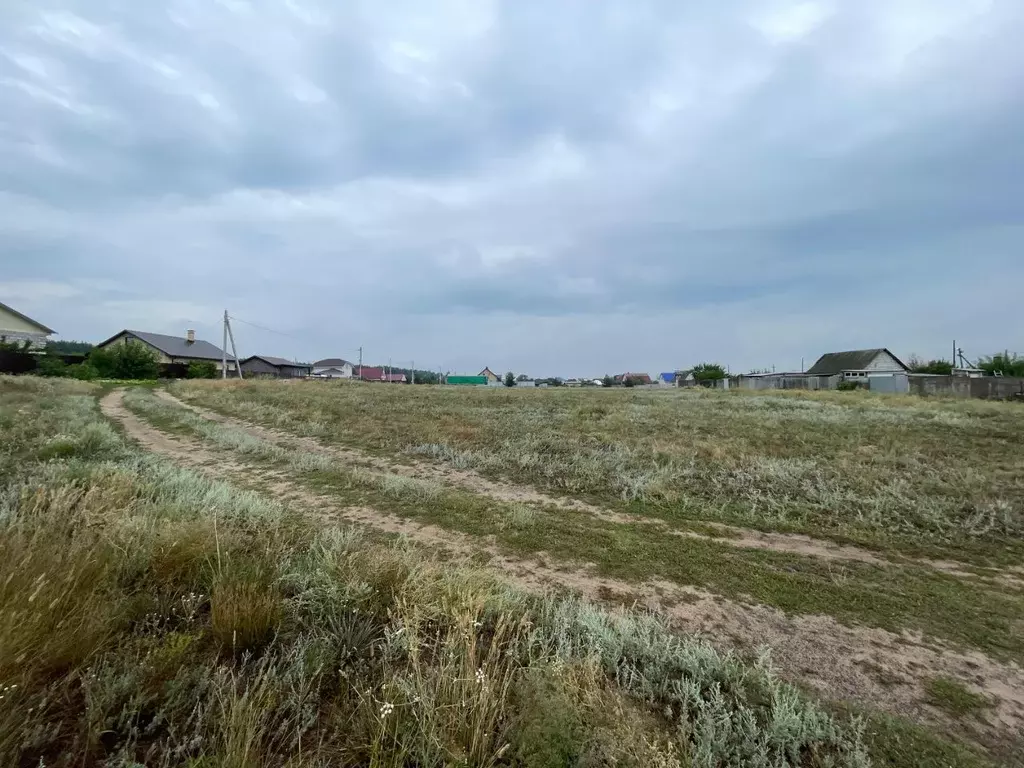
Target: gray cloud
(561,187)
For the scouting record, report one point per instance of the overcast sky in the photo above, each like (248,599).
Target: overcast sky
(570,187)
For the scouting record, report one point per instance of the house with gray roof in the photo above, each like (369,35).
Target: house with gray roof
(173,349)
(858,364)
(267,367)
(333,368)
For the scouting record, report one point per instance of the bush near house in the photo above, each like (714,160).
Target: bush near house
(510,379)
(1004,364)
(125,361)
(202,369)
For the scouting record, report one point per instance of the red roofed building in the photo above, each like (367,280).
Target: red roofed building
(638,378)
(372,373)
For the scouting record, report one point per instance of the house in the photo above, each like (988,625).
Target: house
(490,375)
(264,366)
(334,368)
(858,364)
(370,373)
(637,378)
(180,350)
(16,328)
(667,379)
(377,373)
(685,378)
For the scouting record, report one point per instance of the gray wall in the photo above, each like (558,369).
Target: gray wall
(897,384)
(987,387)
(785,381)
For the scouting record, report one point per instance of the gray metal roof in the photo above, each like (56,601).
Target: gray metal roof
(175,346)
(855,360)
(331,362)
(277,361)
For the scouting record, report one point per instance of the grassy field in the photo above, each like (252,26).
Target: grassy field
(917,476)
(199,597)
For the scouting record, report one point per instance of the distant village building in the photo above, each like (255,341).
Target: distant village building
(266,367)
(490,375)
(334,368)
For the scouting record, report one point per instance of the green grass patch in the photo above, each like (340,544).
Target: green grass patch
(954,698)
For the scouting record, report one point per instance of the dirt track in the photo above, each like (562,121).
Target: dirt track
(746,538)
(871,666)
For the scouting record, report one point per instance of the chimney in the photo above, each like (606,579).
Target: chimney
(190,336)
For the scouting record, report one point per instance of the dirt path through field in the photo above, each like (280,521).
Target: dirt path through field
(880,669)
(746,538)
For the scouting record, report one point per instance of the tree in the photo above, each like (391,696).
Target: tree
(941,367)
(709,372)
(202,369)
(607,381)
(125,361)
(69,347)
(628,382)
(1004,364)
(510,379)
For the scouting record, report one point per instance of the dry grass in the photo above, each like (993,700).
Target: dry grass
(890,472)
(150,616)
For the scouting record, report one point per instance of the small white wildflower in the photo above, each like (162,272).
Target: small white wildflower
(478,624)
(386,709)
(480,676)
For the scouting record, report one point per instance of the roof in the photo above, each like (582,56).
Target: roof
(832,363)
(330,362)
(175,346)
(371,372)
(488,372)
(278,362)
(635,376)
(26,318)
(668,377)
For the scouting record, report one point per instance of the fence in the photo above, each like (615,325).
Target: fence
(985,387)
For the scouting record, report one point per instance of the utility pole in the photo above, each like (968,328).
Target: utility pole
(953,359)
(360,376)
(389,370)
(234,351)
(224,349)
(412,372)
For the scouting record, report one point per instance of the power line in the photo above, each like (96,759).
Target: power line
(264,328)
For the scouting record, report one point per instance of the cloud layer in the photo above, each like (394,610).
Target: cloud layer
(567,188)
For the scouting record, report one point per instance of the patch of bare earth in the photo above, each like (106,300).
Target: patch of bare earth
(746,538)
(873,667)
